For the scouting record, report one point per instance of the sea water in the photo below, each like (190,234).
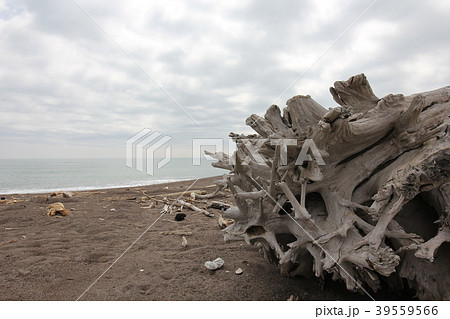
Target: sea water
(48,175)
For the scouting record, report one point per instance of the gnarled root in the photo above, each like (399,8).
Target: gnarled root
(377,210)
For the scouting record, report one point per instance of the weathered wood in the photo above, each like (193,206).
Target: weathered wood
(220,185)
(194,208)
(382,155)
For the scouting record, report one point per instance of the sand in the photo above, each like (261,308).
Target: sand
(70,258)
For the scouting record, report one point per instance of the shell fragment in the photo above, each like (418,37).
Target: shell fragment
(216,264)
(184,242)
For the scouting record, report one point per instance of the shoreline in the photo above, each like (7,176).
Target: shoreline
(42,176)
(102,188)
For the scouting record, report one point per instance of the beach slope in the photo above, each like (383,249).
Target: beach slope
(68,258)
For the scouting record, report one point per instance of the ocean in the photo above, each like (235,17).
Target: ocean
(23,176)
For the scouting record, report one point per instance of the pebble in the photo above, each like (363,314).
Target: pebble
(216,264)
(112,209)
(239,271)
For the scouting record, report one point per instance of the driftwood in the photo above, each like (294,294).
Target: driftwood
(360,191)
(194,208)
(224,222)
(220,185)
(57,209)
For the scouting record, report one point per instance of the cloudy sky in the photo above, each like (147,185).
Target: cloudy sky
(78,83)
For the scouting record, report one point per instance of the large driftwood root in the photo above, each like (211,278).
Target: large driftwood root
(378,210)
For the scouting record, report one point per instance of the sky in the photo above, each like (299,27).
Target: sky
(79,78)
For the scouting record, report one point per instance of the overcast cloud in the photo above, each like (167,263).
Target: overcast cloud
(68,90)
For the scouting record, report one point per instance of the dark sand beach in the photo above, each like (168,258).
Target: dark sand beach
(59,258)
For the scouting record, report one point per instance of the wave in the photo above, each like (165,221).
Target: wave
(90,188)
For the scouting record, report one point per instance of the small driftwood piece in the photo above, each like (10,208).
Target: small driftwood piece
(188,193)
(57,209)
(194,208)
(378,210)
(221,185)
(224,222)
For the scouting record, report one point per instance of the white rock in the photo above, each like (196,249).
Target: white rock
(238,271)
(216,264)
